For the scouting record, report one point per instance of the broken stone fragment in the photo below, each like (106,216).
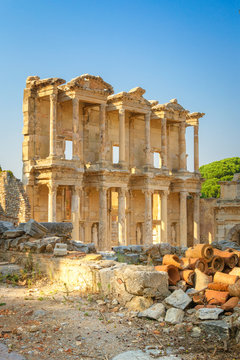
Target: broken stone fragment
(34,229)
(58,228)
(60,250)
(155,312)
(174,316)
(179,299)
(209,314)
(5,226)
(12,234)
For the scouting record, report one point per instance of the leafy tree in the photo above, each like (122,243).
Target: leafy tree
(216,171)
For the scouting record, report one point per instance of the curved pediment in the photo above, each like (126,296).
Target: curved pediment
(89,82)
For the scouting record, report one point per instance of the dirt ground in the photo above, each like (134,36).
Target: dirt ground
(47,322)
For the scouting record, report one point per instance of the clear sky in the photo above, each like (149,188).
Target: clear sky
(184,49)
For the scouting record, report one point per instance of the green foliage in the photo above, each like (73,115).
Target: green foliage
(8,171)
(216,171)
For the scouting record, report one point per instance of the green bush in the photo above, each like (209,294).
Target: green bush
(216,171)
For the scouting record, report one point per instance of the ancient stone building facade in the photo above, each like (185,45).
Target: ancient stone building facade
(126,179)
(14,204)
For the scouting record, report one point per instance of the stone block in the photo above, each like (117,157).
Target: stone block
(58,228)
(143,281)
(60,250)
(178,299)
(35,229)
(174,316)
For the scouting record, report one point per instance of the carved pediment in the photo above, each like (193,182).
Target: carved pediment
(172,106)
(133,95)
(89,82)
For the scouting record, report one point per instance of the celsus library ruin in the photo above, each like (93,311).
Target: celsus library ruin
(112,164)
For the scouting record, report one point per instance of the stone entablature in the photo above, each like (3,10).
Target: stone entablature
(127,170)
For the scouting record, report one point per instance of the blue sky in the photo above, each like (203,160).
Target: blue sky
(184,49)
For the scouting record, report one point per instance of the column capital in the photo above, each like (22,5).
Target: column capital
(52,187)
(53,97)
(122,191)
(147,191)
(102,106)
(121,111)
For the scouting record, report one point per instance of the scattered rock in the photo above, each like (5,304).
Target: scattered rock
(12,234)
(179,299)
(209,314)
(39,313)
(216,327)
(174,316)
(155,312)
(139,303)
(196,332)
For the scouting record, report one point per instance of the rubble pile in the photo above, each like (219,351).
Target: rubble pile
(39,237)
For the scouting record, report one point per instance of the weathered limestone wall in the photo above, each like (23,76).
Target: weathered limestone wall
(14,204)
(207,220)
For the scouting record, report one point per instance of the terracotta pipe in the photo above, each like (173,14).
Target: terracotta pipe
(172,260)
(216,297)
(188,276)
(235,252)
(230,258)
(200,251)
(218,286)
(217,264)
(195,263)
(235,271)
(234,289)
(221,277)
(173,273)
(230,304)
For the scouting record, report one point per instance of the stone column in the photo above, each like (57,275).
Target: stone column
(121,217)
(75,212)
(196,149)
(182,146)
(122,136)
(103,241)
(52,202)
(53,125)
(75,130)
(183,218)
(147,139)
(148,217)
(102,132)
(196,218)
(164,216)
(164,142)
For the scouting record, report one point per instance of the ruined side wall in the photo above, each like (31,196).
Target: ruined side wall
(14,203)
(207,220)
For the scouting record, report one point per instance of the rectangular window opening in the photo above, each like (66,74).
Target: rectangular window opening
(68,150)
(157,163)
(115,154)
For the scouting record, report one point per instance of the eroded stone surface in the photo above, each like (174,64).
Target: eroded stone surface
(178,299)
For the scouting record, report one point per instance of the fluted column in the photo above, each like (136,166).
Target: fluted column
(196,218)
(75,130)
(164,142)
(102,132)
(53,125)
(103,241)
(148,139)
(182,146)
(52,202)
(122,136)
(75,212)
(183,218)
(196,149)
(121,217)
(164,216)
(148,217)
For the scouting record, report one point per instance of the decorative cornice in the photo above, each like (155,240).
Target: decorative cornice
(171,106)
(34,82)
